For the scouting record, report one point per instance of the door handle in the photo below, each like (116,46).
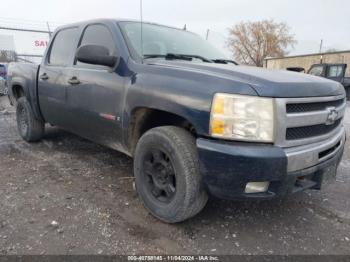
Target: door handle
(44,76)
(74,81)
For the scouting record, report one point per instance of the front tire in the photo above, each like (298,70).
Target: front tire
(29,128)
(167,177)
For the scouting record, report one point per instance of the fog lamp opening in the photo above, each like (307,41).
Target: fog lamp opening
(256,187)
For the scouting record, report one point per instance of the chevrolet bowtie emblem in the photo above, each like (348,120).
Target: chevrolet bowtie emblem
(332,115)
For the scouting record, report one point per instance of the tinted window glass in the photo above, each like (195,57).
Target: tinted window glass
(63,47)
(316,71)
(97,35)
(335,71)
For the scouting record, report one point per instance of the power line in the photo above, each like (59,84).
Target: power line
(25,30)
(16,20)
(29,25)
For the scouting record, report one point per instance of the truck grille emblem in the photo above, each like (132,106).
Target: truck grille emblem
(332,115)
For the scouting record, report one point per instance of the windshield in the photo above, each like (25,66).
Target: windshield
(163,40)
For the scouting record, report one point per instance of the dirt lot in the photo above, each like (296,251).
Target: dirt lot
(66,195)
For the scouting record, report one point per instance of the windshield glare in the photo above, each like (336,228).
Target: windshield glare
(162,40)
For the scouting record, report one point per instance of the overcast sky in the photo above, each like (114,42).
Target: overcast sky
(309,20)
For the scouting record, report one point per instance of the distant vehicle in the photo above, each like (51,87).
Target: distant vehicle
(195,123)
(3,90)
(3,78)
(3,71)
(336,72)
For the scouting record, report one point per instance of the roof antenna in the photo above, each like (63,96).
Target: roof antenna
(141,15)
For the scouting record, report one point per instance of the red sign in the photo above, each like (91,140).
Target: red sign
(41,43)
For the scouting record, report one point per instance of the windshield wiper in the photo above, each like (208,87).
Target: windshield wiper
(224,61)
(171,56)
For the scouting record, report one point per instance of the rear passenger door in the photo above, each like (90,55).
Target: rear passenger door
(54,74)
(94,98)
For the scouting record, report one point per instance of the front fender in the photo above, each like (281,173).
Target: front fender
(181,101)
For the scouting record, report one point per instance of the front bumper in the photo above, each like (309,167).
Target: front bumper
(227,167)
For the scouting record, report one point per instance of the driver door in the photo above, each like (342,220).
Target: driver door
(94,94)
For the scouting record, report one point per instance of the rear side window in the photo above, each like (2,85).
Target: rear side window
(63,47)
(335,71)
(97,35)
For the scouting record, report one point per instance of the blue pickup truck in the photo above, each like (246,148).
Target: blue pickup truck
(195,123)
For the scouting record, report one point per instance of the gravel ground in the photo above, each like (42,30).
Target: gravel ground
(66,195)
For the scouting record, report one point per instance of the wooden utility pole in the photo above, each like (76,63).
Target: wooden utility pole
(48,27)
(321,45)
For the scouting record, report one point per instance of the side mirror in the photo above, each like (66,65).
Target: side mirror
(96,55)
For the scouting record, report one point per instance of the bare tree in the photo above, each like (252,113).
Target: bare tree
(252,42)
(7,56)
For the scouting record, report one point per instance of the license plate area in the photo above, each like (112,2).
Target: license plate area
(315,180)
(304,182)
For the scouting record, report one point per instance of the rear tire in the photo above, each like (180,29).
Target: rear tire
(29,128)
(167,176)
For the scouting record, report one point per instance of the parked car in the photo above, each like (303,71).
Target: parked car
(3,90)
(194,125)
(3,77)
(336,72)
(3,71)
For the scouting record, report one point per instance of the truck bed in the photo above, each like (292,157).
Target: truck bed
(24,75)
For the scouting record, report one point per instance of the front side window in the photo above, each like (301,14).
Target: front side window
(63,47)
(163,40)
(97,35)
(335,71)
(316,71)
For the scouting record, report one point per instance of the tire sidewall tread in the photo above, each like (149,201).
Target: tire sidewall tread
(36,128)
(181,147)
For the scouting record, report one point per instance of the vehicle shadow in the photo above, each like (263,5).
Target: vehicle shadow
(216,211)
(229,227)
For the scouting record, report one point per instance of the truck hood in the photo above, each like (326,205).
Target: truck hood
(266,82)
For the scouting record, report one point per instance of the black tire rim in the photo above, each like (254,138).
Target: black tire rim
(160,176)
(22,120)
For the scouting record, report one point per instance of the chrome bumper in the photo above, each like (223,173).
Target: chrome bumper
(302,157)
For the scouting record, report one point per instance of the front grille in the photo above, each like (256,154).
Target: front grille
(316,106)
(310,131)
(303,120)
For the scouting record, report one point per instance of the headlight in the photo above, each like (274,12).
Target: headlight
(241,117)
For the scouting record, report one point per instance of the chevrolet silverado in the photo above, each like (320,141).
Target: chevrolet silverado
(195,123)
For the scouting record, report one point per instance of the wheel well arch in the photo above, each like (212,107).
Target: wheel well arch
(17,91)
(143,119)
